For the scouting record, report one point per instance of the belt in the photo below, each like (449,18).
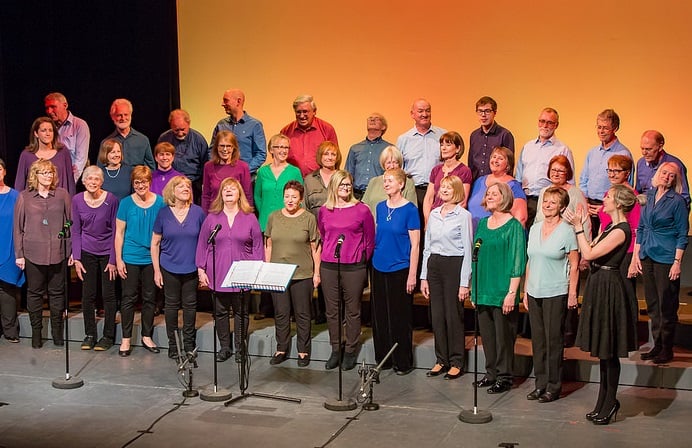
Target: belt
(605,268)
(594,201)
(422,187)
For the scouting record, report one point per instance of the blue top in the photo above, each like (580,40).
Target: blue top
(363,161)
(191,153)
(392,241)
(449,236)
(250,135)
(9,272)
(646,171)
(118,181)
(178,239)
(139,225)
(135,147)
(548,273)
(478,190)
(663,227)
(593,181)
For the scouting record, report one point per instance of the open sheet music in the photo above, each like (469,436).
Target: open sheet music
(259,275)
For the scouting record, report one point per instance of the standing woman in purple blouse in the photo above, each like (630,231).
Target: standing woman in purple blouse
(93,251)
(175,237)
(239,238)
(43,144)
(225,162)
(40,214)
(344,220)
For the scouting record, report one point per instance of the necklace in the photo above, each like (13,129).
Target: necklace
(389,213)
(108,172)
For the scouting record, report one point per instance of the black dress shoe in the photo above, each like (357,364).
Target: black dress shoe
(611,415)
(12,339)
(593,414)
(433,372)
(402,372)
(153,349)
(88,343)
(535,395)
(36,340)
(173,352)
(453,376)
(485,382)
(303,362)
(333,361)
(60,342)
(278,358)
(663,358)
(499,387)
(547,397)
(125,353)
(223,355)
(651,354)
(349,361)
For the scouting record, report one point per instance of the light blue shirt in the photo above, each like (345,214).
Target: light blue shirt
(449,236)
(532,166)
(594,182)
(421,152)
(548,265)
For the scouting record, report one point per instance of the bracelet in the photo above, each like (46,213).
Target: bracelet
(677,259)
(511,292)
(579,232)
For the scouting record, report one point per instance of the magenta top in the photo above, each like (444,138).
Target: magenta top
(358,227)
(215,173)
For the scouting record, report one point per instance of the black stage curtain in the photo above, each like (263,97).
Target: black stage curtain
(92,51)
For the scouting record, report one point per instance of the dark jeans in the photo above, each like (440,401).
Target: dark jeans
(239,302)
(95,265)
(498,332)
(298,295)
(8,310)
(50,280)
(137,274)
(446,309)
(392,318)
(180,291)
(662,302)
(352,285)
(547,317)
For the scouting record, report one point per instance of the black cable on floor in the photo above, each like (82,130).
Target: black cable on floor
(342,429)
(149,429)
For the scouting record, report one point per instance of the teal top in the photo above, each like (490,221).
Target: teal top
(548,274)
(501,257)
(139,226)
(269,190)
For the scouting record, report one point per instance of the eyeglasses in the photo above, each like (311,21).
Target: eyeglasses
(557,171)
(484,111)
(281,147)
(225,146)
(46,173)
(547,123)
(346,186)
(140,182)
(614,171)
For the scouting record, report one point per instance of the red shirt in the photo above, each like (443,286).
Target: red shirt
(304,143)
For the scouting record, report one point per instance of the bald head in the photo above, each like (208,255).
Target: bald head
(421,114)
(652,145)
(233,102)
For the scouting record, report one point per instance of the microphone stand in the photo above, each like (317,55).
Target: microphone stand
(340,404)
(214,393)
(69,381)
(187,361)
(475,415)
(369,376)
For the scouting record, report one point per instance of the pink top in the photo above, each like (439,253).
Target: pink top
(632,219)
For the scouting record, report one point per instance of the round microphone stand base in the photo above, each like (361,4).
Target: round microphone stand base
(215,394)
(68,382)
(190,393)
(371,406)
(340,405)
(475,416)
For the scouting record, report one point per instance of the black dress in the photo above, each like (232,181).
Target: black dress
(607,326)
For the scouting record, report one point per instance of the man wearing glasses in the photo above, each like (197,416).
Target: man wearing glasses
(487,137)
(594,181)
(653,155)
(532,165)
(363,161)
(135,145)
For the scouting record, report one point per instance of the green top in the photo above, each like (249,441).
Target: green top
(269,190)
(501,257)
(291,238)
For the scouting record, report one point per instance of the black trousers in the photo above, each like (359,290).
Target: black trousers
(531,208)
(8,310)
(95,266)
(392,318)
(498,332)
(352,285)
(446,309)
(298,296)
(547,316)
(136,275)
(239,302)
(50,280)
(662,302)
(180,291)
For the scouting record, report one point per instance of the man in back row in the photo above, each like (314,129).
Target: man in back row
(487,137)
(73,132)
(653,155)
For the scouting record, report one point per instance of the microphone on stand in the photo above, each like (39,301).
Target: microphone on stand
(476,247)
(339,242)
(65,232)
(212,237)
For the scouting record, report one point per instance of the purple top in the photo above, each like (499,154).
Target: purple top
(243,241)
(178,239)
(358,227)
(93,229)
(62,161)
(159,179)
(215,173)
(481,144)
(436,175)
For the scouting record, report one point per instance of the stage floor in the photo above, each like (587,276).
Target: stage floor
(137,402)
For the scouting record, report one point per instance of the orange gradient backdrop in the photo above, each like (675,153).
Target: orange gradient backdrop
(363,56)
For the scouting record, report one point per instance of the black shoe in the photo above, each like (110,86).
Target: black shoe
(153,349)
(536,394)
(593,414)
(651,354)
(499,387)
(547,397)
(88,343)
(333,361)
(304,362)
(173,352)
(278,358)
(59,342)
(612,414)
(125,353)
(36,341)
(440,371)
(11,339)
(223,355)
(403,372)
(349,361)
(453,376)
(103,344)
(663,358)
(485,382)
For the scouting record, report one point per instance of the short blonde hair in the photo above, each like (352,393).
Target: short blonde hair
(243,203)
(42,165)
(140,172)
(457,185)
(507,197)
(324,147)
(656,180)
(393,152)
(398,174)
(92,170)
(168,192)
